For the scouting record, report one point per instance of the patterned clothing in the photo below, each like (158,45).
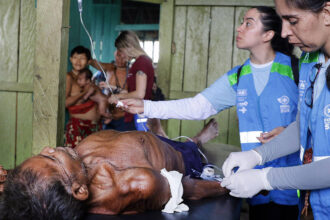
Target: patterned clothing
(78,129)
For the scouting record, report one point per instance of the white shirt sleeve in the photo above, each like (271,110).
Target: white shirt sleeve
(195,108)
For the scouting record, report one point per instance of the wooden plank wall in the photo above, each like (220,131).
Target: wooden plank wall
(16,80)
(202,49)
(52,30)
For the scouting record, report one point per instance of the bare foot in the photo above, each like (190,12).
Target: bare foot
(210,131)
(155,127)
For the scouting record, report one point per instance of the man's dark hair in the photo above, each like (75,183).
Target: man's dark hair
(88,74)
(27,196)
(81,50)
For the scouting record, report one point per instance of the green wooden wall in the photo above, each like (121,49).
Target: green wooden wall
(101,21)
(17,37)
(197,46)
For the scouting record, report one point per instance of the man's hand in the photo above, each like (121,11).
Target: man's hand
(113,99)
(247,183)
(3,177)
(243,160)
(266,137)
(133,106)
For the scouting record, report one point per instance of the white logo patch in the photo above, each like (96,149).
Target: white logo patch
(243,110)
(326,112)
(241,104)
(241,92)
(284,100)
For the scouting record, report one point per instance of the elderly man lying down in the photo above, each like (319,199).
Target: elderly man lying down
(109,172)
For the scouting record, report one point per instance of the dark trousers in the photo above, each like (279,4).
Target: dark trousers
(273,211)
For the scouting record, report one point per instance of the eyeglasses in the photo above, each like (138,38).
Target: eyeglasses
(312,78)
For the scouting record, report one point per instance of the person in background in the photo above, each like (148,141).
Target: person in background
(140,78)
(116,74)
(94,93)
(84,118)
(306,23)
(265,94)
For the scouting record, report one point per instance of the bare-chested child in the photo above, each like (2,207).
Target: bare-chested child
(93,93)
(111,172)
(84,117)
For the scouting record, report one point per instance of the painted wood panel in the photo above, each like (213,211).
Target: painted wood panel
(49,81)
(7,129)
(24,127)
(24,119)
(196,52)
(165,42)
(9,22)
(174,128)
(220,59)
(9,18)
(178,48)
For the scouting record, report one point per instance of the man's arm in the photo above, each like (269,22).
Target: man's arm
(106,66)
(195,189)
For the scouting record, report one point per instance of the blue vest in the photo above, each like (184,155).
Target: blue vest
(276,106)
(319,133)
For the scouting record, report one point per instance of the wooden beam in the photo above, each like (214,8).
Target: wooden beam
(137,27)
(16,87)
(225,2)
(50,70)
(165,42)
(151,1)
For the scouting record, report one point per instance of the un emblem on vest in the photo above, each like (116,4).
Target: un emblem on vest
(284,100)
(327,111)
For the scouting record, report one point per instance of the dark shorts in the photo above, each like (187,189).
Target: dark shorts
(190,154)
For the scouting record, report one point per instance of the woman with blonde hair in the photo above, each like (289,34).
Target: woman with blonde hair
(140,76)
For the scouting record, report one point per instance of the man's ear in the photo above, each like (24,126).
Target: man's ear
(268,35)
(79,191)
(326,13)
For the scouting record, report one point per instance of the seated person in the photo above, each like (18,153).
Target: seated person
(110,171)
(116,76)
(84,118)
(94,93)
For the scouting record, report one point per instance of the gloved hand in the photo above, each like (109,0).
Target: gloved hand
(243,160)
(247,183)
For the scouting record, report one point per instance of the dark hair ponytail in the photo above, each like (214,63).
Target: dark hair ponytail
(272,22)
(315,6)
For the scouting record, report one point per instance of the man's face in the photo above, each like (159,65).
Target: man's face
(302,28)
(79,61)
(120,60)
(59,162)
(82,81)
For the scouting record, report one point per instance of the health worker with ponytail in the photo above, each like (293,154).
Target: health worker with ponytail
(265,94)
